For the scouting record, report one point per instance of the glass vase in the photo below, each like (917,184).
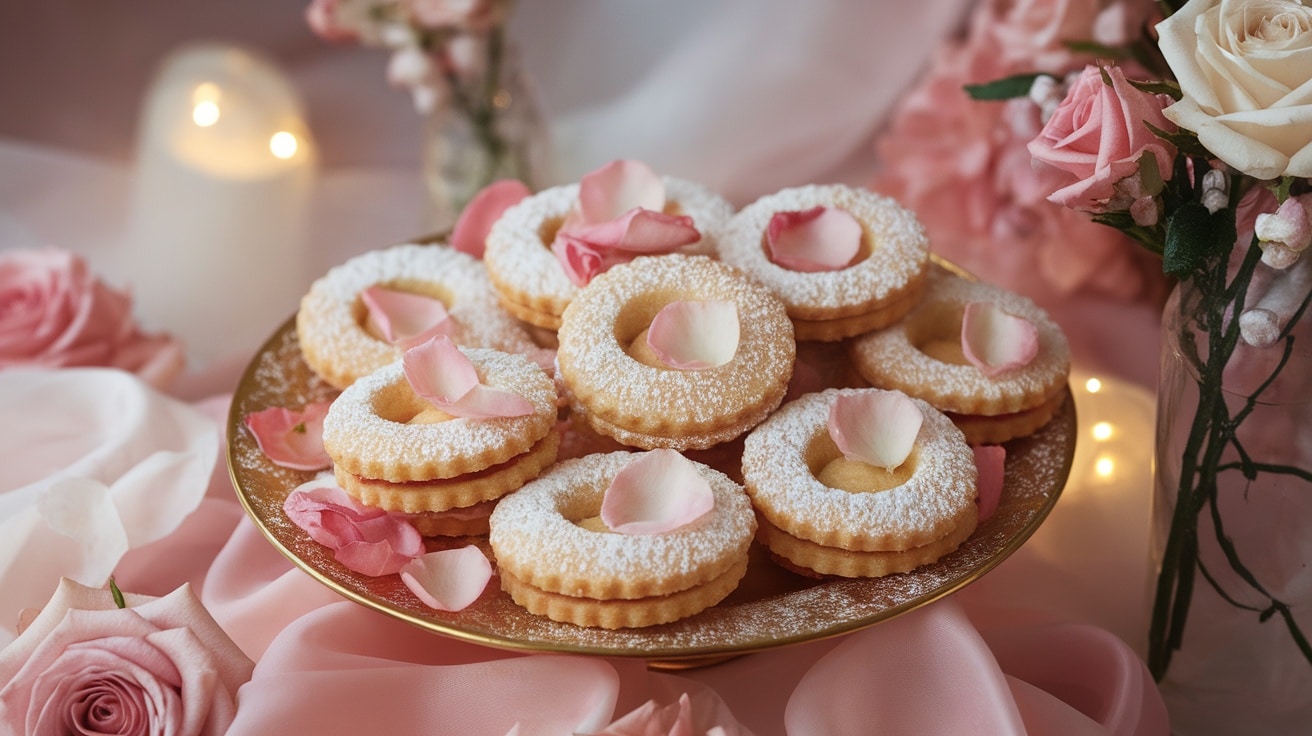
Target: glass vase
(1232,536)
(488,126)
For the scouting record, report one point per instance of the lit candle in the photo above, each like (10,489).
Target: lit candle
(224,169)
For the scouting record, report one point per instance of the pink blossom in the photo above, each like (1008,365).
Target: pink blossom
(161,665)
(1035,32)
(1097,136)
(55,313)
(467,15)
(326,19)
(963,167)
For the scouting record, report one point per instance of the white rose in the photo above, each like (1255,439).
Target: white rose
(1245,69)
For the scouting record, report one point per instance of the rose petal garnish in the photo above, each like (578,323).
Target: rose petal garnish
(449,579)
(995,341)
(587,250)
(656,492)
(365,539)
(691,335)
(618,187)
(403,318)
(477,218)
(291,439)
(875,427)
(818,239)
(989,460)
(441,373)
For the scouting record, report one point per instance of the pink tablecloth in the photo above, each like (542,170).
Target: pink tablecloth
(1002,657)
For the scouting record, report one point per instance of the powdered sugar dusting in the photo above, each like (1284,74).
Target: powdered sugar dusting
(331,316)
(535,537)
(898,255)
(924,508)
(890,358)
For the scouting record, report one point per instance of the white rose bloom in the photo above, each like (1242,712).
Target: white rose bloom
(1245,70)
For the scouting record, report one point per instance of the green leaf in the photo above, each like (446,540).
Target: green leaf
(1185,141)
(117,594)
(1093,48)
(1194,236)
(1280,187)
(1159,87)
(1003,89)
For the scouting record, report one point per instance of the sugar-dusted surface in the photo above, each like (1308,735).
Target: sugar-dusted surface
(605,381)
(363,435)
(924,508)
(770,608)
(897,259)
(889,358)
(526,271)
(331,315)
(534,535)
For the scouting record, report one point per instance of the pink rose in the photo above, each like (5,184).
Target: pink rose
(327,19)
(161,665)
(1034,32)
(54,313)
(1097,136)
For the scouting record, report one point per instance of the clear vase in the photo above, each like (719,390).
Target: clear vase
(488,126)
(1232,534)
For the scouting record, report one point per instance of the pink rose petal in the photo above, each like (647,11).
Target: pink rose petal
(365,539)
(450,579)
(656,492)
(989,459)
(693,335)
(876,427)
(580,261)
(441,373)
(477,218)
(618,187)
(291,439)
(638,231)
(818,239)
(995,341)
(404,318)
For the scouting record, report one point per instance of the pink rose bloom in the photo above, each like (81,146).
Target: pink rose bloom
(54,313)
(1097,136)
(161,665)
(328,21)
(963,167)
(1031,35)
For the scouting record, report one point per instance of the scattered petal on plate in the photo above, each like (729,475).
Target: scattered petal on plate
(477,218)
(291,439)
(441,373)
(404,318)
(995,341)
(875,427)
(989,459)
(656,492)
(368,540)
(638,231)
(618,187)
(691,335)
(449,579)
(818,239)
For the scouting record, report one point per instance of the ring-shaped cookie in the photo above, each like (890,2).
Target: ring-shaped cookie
(784,455)
(649,406)
(808,558)
(874,291)
(536,536)
(331,318)
(366,432)
(909,356)
(528,277)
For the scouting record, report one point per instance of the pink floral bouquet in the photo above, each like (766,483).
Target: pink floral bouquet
(1187,128)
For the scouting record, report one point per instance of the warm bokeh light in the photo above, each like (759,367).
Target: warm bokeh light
(205,113)
(1104,467)
(1093,385)
(283,144)
(1102,431)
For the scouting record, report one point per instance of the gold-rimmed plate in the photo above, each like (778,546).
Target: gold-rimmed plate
(771,608)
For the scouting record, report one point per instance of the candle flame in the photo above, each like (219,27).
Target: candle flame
(1102,431)
(205,113)
(283,144)
(1093,385)
(1104,467)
